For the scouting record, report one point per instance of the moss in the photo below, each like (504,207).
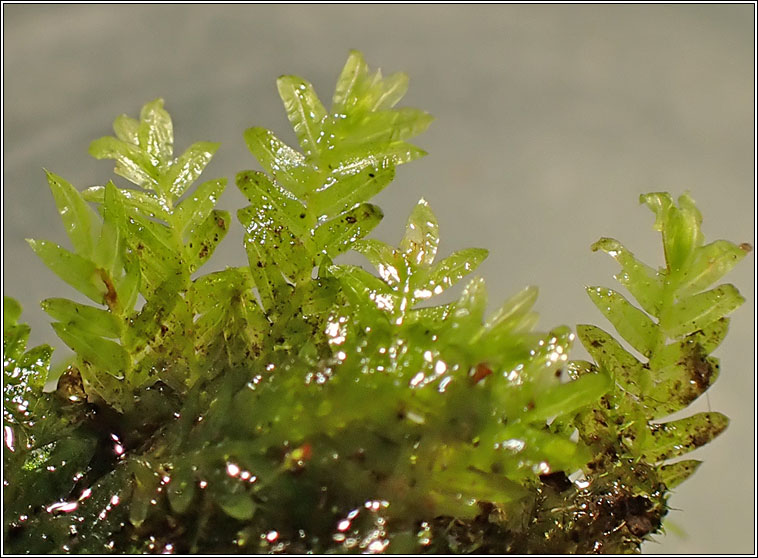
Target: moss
(293,404)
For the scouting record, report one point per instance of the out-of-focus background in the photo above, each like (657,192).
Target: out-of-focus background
(551,120)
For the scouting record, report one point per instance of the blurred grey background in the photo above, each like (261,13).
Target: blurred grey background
(551,120)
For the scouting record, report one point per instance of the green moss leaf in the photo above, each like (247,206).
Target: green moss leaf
(710,263)
(569,397)
(699,311)
(11,311)
(146,203)
(131,163)
(198,206)
(156,134)
(127,129)
(305,112)
(204,237)
(237,505)
(632,324)
(343,191)
(280,161)
(641,280)
(107,355)
(611,356)
(82,317)
(680,227)
(674,474)
(675,438)
(75,270)
(189,166)
(77,216)
(421,235)
(338,235)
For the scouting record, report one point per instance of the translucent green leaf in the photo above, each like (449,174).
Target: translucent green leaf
(675,438)
(392,268)
(148,204)
(284,164)
(82,317)
(709,264)
(339,234)
(189,166)
(358,158)
(513,309)
(631,323)
(540,445)
(447,273)
(366,286)
(674,474)
(204,238)
(569,397)
(267,277)
(274,225)
(155,246)
(353,73)
(106,355)
(77,216)
(304,110)
(128,288)
(196,208)
(181,491)
(110,245)
(378,128)
(577,368)
(547,355)
(432,315)
(680,226)
(109,249)
(393,89)
(342,191)
(74,270)
(704,341)
(130,161)
(659,203)
(273,205)
(14,342)
(421,235)
(37,362)
(642,281)
(679,384)
(127,129)
(237,505)
(156,133)
(11,311)
(156,310)
(683,370)
(698,311)
(625,369)
(469,309)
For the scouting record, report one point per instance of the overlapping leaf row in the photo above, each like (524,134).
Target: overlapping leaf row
(144,242)
(411,363)
(681,325)
(46,441)
(623,496)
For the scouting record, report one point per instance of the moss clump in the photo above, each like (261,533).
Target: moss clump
(295,404)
